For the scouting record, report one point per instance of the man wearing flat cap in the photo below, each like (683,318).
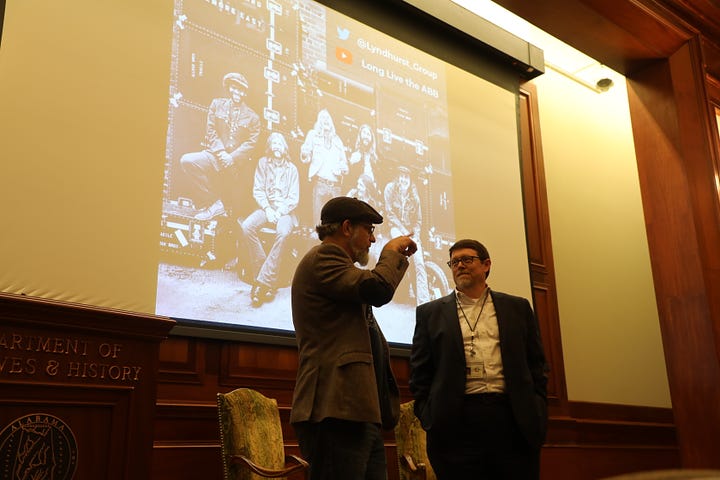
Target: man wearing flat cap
(231,133)
(345,392)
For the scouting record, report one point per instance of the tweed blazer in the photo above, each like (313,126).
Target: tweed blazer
(437,364)
(336,375)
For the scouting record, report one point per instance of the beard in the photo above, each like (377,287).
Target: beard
(360,255)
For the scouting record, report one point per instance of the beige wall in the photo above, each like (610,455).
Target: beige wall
(608,316)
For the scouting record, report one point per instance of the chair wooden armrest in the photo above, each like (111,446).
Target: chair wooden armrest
(411,442)
(416,471)
(251,437)
(300,464)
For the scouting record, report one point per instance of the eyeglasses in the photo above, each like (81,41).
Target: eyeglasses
(370,228)
(467,260)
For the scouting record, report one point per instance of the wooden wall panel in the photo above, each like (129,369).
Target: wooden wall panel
(676,170)
(180,361)
(270,369)
(542,271)
(556,385)
(187,433)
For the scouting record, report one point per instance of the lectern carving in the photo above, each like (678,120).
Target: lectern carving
(77,390)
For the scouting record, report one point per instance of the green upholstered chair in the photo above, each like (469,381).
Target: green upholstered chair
(251,437)
(411,442)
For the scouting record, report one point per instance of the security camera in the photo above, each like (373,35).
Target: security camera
(604,84)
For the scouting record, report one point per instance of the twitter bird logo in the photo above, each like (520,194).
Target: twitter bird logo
(343,33)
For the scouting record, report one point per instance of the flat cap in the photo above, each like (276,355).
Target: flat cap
(338,209)
(236,78)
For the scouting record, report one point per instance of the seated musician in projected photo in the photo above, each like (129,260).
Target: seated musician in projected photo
(404,215)
(325,152)
(231,133)
(276,190)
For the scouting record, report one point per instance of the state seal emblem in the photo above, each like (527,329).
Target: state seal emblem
(38,445)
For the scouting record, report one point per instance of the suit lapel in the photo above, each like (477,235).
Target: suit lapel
(501,317)
(451,323)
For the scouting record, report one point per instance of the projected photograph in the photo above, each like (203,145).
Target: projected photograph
(274,108)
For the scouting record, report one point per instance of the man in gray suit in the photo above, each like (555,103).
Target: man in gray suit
(479,376)
(345,392)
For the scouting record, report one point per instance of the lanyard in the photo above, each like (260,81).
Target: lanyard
(472,327)
(482,307)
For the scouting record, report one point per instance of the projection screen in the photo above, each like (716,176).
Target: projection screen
(186,158)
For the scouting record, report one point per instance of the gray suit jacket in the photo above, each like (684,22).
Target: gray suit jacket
(336,376)
(437,363)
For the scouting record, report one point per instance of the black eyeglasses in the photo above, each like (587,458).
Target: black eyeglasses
(467,260)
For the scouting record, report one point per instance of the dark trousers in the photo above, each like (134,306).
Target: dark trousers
(486,445)
(342,450)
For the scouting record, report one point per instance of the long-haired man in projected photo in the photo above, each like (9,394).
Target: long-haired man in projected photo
(366,190)
(276,190)
(364,158)
(231,133)
(323,149)
(403,210)
(345,392)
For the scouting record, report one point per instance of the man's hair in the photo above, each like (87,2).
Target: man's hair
(278,135)
(318,122)
(327,229)
(479,248)
(358,141)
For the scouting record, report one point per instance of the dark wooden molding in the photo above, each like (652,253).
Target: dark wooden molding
(605,30)
(704,15)
(676,166)
(711,58)
(2,19)
(35,311)
(713,86)
(537,222)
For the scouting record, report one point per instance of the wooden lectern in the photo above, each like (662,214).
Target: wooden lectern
(77,390)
